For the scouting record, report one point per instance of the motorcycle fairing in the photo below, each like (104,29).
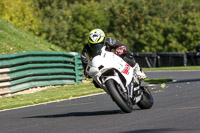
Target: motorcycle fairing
(108,60)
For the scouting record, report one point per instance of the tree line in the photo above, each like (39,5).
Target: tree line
(144,25)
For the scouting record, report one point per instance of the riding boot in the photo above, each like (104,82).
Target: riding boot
(140,74)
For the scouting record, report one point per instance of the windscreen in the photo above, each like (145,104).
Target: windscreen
(95,50)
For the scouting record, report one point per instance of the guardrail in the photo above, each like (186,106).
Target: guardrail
(167,59)
(25,70)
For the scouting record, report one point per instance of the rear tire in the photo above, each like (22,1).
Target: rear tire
(147,99)
(116,96)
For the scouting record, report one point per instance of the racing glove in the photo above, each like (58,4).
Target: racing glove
(120,50)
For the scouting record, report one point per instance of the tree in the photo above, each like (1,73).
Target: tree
(21,13)
(85,17)
(55,18)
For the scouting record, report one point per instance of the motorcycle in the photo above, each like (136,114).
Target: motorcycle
(117,79)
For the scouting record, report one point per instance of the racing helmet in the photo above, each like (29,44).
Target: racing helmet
(96,36)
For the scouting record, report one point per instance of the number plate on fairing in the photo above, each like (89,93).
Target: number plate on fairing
(126,70)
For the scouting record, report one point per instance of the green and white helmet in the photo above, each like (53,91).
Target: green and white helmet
(96,36)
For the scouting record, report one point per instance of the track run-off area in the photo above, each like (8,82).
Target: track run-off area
(176,109)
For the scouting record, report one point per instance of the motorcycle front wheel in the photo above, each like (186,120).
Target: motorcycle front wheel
(117,98)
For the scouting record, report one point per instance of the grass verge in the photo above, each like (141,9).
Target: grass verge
(157,81)
(172,68)
(14,40)
(51,94)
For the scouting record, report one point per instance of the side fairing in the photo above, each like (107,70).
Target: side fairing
(108,60)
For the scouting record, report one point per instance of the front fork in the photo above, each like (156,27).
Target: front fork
(128,90)
(120,83)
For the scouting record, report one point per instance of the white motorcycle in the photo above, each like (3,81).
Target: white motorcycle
(118,79)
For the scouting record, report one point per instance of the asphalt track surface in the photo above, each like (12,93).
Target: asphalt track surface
(176,110)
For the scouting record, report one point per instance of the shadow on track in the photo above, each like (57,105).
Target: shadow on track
(78,114)
(162,130)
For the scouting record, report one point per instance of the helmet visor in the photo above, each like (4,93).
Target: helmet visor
(95,50)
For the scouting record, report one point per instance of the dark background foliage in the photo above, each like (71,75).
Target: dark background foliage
(144,25)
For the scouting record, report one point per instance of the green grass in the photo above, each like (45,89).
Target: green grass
(14,40)
(51,94)
(172,68)
(157,81)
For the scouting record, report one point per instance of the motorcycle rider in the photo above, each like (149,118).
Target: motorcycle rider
(97,36)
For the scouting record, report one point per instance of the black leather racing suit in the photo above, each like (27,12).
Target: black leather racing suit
(110,44)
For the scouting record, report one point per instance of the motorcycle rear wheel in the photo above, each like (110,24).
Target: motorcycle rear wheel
(117,98)
(147,99)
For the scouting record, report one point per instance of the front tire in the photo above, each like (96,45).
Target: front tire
(115,95)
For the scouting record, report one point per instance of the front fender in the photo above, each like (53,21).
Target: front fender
(115,78)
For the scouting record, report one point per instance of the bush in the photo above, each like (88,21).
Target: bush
(158,26)
(21,13)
